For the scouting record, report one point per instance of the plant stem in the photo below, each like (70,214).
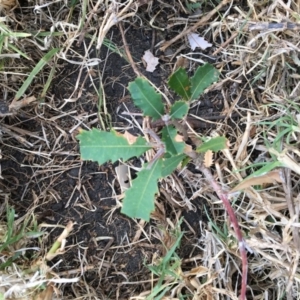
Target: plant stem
(58,243)
(223,196)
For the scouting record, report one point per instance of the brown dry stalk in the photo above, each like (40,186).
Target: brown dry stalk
(136,71)
(202,21)
(87,24)
(17,104)
(287,186)
(225,44)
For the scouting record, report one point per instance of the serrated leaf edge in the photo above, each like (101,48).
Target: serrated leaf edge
(185,91)
(142,191)
(114,134)
(169,130)
(206,148)
(172,115)
(213,70)
(160,114)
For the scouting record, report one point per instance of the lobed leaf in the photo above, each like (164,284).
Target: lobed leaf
(102,146)
(139,199)
(170,164)
(202,79)
(180,83)
(168,137)
(179,109)
(215,144)
(146,98)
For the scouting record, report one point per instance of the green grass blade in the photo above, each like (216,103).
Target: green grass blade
(40,65)
(48,82)
(214,144)
(18,51)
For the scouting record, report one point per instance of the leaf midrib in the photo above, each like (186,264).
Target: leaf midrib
(153,107)
(203,78)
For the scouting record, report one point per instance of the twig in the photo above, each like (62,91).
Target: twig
(136,71)
(195,26)
(242,247)
(222,47)
(182,129)
(159,144)
(106,247)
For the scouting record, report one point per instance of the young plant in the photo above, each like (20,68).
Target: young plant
(101,146)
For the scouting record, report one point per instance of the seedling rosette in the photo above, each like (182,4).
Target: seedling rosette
(102,146)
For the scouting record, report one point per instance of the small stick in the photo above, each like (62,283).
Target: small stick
(225,44)
(106,248)
(182,129)
(136,71)
(59,244)
(161,147)
(202,21)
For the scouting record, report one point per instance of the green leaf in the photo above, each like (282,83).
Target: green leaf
(185,161)
(11,46)
(202,79)
(48,82)
(214,144)
(171,252)
(180,83)
(168,137)
(102,146)
(44,60)
(139,199)
(170,164)
(179,109)
(267,168)
(73,3)
(146,98)
(34,234)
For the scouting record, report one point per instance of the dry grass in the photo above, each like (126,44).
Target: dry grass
(256,48)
